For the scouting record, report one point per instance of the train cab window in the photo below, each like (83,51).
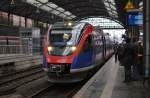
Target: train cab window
(63,37)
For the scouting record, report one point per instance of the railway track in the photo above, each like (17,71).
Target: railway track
(40,91)
(18,71)
(58,91)
(14,77)
(10,82)
(44,89)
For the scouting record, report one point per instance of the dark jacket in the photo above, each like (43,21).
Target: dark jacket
(128,55)
(119,53)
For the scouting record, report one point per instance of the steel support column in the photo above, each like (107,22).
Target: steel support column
(146,37)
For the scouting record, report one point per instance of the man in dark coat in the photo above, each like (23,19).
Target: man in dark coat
(128,59)
(139,58)
(119,53)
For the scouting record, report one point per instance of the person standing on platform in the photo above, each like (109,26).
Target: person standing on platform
(128,59)
(116,51)
(119,53)
(139,61)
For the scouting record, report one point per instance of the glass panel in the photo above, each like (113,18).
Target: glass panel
(46,8)
(67,13)
(69,17)
(113,7)
(102,22)
(22,22)
(113,3)
(111,0)
(55,12)
(73,16)
(43,1)
(5,15)
(44,25)
(60,9)
(114,12)
(32,1)
(37,4)
(4,18)
(52,5)
(108,8)
(62,15)
(106,4)
(116,16)
(16,20)
(29,23)
(60,36)
(110,13)
(141,4)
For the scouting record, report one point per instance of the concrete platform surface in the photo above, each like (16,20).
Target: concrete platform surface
(108,83)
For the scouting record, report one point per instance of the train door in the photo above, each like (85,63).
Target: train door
(85,58)
(98,49)
(104,46)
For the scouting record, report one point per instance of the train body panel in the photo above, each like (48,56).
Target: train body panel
(70,53)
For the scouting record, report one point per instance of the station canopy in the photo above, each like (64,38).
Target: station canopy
(104,23)
(86,8)
(111,27)
(57,10)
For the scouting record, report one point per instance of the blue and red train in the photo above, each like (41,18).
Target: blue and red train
(71,52)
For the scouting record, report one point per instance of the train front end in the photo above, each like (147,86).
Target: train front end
(61,54)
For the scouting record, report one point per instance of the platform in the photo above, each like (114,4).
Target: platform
(108,83)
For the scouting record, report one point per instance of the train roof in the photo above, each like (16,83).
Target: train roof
(75,31)
(65,26)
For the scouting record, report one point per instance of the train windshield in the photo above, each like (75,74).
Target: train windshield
(64,41)
(65,36)
(61,38)
(61,42)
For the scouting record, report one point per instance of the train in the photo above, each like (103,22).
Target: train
(72,51)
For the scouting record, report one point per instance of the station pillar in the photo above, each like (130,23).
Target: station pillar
(146,37)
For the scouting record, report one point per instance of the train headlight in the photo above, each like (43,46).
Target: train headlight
(49,48)
(73,48)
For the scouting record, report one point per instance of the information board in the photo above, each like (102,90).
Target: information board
(135,18)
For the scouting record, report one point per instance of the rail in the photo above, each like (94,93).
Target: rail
(17,49)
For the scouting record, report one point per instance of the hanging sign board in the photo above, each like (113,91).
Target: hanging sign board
(135,18)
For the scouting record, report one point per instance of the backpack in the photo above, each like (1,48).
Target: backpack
(121,52)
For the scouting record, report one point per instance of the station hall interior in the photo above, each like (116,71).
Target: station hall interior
(70,48)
